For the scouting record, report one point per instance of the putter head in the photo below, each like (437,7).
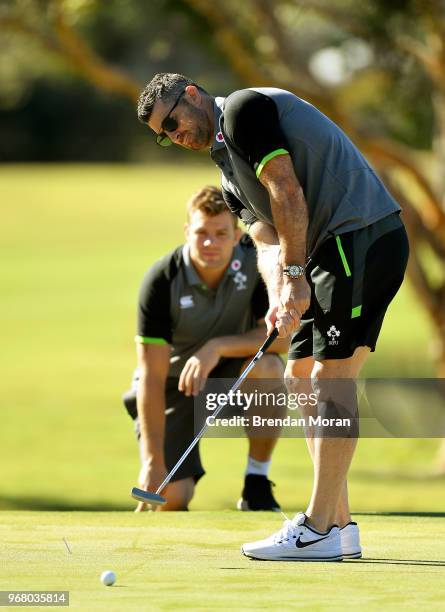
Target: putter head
(148,497)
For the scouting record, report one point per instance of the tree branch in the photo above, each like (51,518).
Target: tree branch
(246,65)
(85,60)
(223,27)
(68,46)
(383,149)
(343,18)
(429,296)
(18,26)
(286,53)
(426,57)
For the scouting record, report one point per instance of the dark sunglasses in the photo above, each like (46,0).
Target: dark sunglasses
(168,125)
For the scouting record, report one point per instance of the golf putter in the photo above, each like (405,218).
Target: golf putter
(155,499)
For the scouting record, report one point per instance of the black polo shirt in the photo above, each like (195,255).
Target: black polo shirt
(176,308)
(342,191)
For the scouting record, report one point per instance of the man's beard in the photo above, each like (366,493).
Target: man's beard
(203,132)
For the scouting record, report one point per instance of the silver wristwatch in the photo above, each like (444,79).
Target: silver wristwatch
(294,271)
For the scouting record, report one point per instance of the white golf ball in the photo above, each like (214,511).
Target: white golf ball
(108,578)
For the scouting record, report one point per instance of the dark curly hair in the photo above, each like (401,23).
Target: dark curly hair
(166,86)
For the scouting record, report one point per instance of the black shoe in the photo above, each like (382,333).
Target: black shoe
(257,494)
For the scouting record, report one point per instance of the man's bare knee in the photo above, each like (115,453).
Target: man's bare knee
(299,368)
(336,391)
(179,494)
(298,375)
(341,368)
(270,366)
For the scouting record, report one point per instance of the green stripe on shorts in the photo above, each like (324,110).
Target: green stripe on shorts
(268,157)
(148,340)
(343,256)
(356,312)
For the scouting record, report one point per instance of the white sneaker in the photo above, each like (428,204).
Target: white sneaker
(296,541)
(350,541)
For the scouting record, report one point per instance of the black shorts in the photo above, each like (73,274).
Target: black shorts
(179,420)
(353,278)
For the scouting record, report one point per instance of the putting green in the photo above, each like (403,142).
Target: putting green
(167,561)
(77,240)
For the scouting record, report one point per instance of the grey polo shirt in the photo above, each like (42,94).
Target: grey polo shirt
(176,308)
(342,191)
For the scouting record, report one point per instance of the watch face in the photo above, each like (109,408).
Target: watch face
(294,271)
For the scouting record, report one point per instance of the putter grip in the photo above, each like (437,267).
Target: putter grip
(273,336)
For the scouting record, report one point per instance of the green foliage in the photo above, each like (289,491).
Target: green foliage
(79,122)
(391,95)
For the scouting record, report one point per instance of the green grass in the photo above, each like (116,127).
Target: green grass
(192,561)
(76,241)
(74,244)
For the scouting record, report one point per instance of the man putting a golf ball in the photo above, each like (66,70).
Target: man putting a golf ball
(299,183)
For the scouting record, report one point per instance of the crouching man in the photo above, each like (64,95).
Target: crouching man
(200,314)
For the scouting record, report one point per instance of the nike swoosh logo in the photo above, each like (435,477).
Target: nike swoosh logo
(300,544)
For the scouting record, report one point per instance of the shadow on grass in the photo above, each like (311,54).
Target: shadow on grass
(373,560)
(397,477)
(51,504)
(396,513)
(422,562)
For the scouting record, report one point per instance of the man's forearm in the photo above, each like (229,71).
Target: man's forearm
(268,250)
(151,413)
(271,270)
(289,210)
(245,345)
